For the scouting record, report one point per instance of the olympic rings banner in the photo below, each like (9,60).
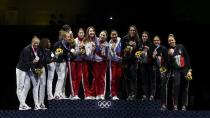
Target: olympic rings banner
(104,104)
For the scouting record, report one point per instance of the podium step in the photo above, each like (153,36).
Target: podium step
(105,108)
(103,104)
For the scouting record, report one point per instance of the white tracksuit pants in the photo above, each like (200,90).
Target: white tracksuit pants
(51,72)
(38,87)
(61,72)
(23,85)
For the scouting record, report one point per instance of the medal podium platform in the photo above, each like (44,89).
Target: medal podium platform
(104,108)
(103,105)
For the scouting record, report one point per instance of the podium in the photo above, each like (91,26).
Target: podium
(103,105)
(104,109)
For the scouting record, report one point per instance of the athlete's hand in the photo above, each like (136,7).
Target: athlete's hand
(35,61)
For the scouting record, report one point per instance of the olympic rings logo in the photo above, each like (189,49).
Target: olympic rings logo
(104,104)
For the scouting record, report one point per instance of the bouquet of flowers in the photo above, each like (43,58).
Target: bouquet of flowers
(138,54)
(128,50)
(163,73)
(38,71)
(188,77)
(163,69)
(81,49)
(58,51)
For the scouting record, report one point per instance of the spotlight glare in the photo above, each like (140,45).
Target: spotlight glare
(110,18)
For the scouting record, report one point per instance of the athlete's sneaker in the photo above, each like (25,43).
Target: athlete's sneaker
(163,108)
(131,97)
(37,107)
(115,98)
(50,98)
(184,108)
(102,97)
(144,98)
(42,106)
(99,97)
(90,98)
(175,108)
(63,96)
(75,98)
(27,106)
(151,98)
(70,96)
(24,107)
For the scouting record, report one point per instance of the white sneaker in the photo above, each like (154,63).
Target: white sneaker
(90,98)
(151,98)
(70,96)
(98,97)
(50,98)
(87,98)
(24,107)
(102,97)
(42,106)
(27,106)
(62,96)
(37,107)
(75,98)
(115,98)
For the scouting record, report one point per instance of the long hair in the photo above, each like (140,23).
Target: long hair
(87,37)
(80,29)
(136,37)
(148,42)
(44,43)
(147,33)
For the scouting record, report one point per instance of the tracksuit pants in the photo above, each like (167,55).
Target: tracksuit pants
(180,87)
(61,72)
(115,75)
(86,83)
(77,75)
(51,71)
(39,84)
(23,85)
(99,73)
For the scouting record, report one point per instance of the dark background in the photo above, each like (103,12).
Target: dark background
(188,20)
